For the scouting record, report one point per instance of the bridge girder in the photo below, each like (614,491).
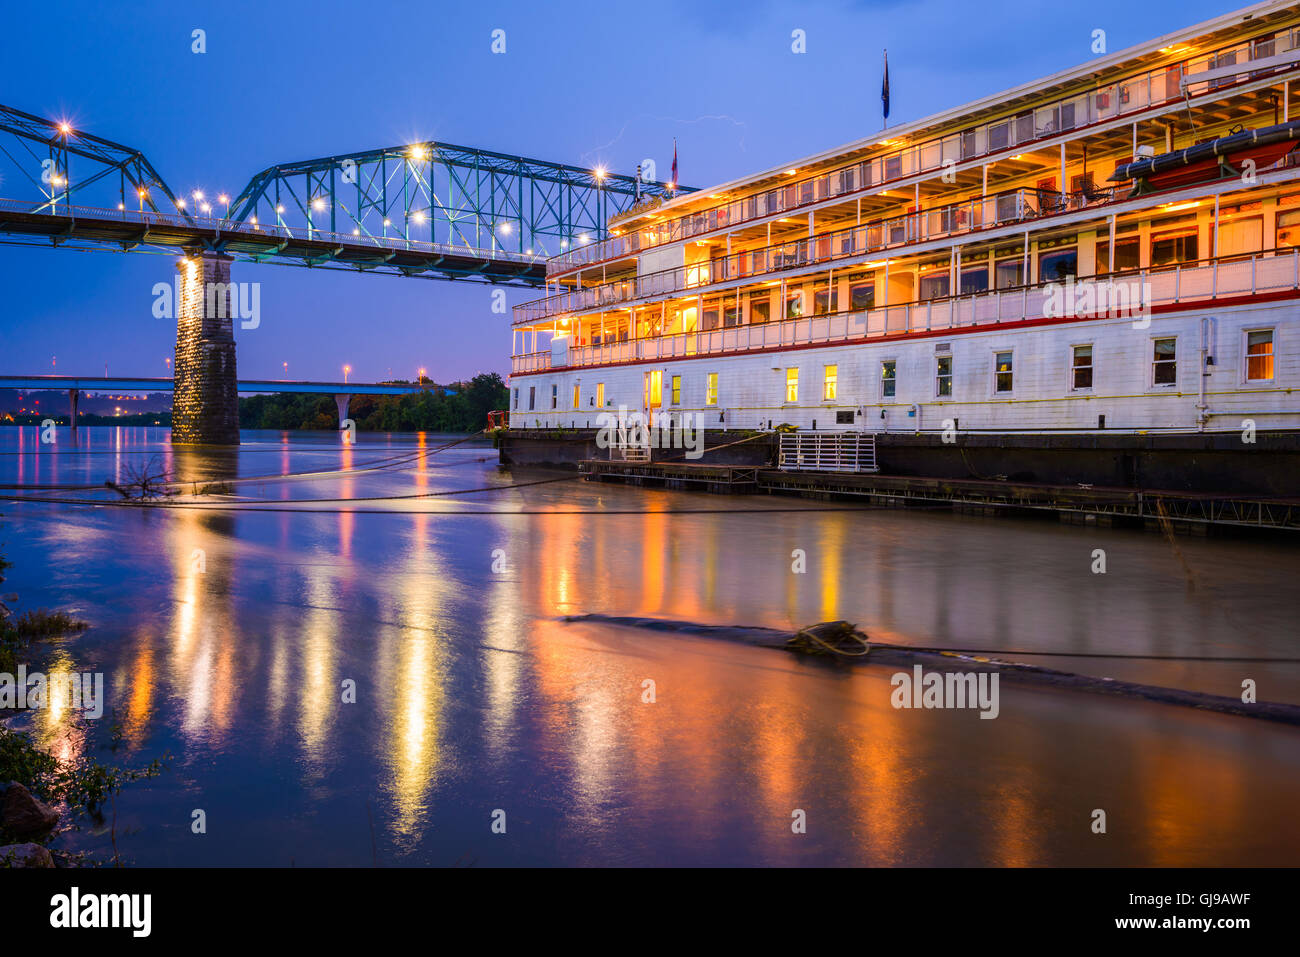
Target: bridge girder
(442,193)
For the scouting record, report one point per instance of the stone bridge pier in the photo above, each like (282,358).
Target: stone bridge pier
(205,401)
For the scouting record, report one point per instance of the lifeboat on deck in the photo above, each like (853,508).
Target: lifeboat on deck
(1215,159)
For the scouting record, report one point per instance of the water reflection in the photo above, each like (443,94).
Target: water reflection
(471,696)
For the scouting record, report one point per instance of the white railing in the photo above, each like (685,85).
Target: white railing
(1013,206)
(1263,273)
(1110,101)
(269,231)
(827,452)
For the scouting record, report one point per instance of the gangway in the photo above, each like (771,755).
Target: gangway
(827,452)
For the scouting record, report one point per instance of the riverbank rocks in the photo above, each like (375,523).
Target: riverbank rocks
(22,815)
(25,855)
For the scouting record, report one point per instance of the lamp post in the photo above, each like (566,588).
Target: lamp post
(346,370)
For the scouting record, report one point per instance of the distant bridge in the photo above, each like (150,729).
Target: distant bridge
(342,391)
(119,384)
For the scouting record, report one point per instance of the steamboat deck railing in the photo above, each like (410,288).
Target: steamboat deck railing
(1128,295)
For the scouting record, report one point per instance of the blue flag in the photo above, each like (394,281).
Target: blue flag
(884,88)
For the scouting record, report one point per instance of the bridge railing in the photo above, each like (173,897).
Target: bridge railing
(229,227)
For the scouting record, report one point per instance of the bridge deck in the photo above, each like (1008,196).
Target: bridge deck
(130,229)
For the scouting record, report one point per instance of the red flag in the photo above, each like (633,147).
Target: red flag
(674,179)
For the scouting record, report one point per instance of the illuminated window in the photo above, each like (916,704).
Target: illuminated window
(1164,364)
(943,375)
(654,389)
(1081,367)
(1002,371)
(677,390)
(711,389)
(888,379)
(792,385)
(600,394)
(577,396)
(1259,355)
(832,380)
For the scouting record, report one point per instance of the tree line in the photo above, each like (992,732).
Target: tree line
(458,407)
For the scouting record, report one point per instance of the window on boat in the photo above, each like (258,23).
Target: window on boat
(824,298)
(677,390)
(888,378)
(577,396)
(1010,272)
(555,397)
(711,389)
(830,383)
(1288,229)
(794,304)
(532,397)
(1175,246)
(1002,365)
(516,399)
(600,394)
(943,375)
(1128,254)
(1259,355)
(1081,367)
(974,279)
(792,385)
(760,307)
(1058,265)
(934,280)
(862,295)
(1164,366)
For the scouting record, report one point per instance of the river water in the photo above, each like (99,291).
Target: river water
(230,626)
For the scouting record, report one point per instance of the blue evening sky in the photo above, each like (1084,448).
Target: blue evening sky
(581,82)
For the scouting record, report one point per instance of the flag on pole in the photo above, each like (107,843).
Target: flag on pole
(674,179)
(884,89)
(638,184)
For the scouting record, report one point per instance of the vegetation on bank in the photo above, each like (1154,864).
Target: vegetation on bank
(460,407)
(32,780)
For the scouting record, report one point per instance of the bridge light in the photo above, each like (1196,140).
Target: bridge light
(584,238)
(223,198)
(564,244)
(356,232)
(600,172)
(121,205)
(346,370)
(197,194)
(318,204)
(505,228)
(279,209)
(253,220)
(418,152)
(418,216)
(388,222)
(206,208)
(64,128)
(180,203)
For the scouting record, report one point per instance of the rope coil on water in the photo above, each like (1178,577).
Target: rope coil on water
(838,638)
